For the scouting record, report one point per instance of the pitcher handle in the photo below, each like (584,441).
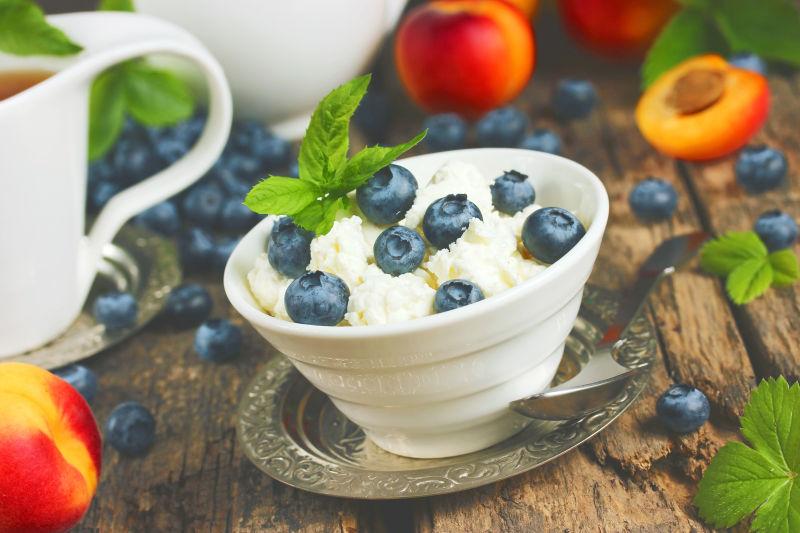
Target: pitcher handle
(117,37)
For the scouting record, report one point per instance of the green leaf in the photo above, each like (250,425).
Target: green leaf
(324,148)
(279,195)
(785,267)
(368,161)
(749,280)
(742,480)
(722,255)
(25,32)
(106,111)
(769,28)
(156,97)
(319,217)
(687,34)
(116,5)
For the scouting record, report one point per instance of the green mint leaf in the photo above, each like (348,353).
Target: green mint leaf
(279,195)
(25,32)
(368,161)
(722,255)
(324,148)
(319,217)
(156,97)
(742,480)
(769,28)
(749,280)
(116,5)
(106,111)
(785,267)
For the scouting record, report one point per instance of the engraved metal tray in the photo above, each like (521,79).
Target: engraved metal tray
(292,432)
(139,262)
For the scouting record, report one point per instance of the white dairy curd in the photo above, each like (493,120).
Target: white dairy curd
(385,299)
(342,251)
(517,220)
(268,287)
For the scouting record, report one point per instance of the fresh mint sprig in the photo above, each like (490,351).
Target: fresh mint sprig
(760,478)
(769,28)
(326,175)
(25,32)
(750,270)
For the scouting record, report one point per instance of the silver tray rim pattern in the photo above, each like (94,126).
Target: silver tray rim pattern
(274,450)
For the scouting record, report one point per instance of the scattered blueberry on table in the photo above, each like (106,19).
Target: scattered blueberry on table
(317,298)
(456,293)
(100,193)
(653,199)
(188,305)
(777,229)
(512,192)
(237,217)
(573,99)
(218,340)
(549,233)
(502,127)
(81,378)
(162,218)
(386,196)
(115,310)
(448,218)
(542,140)
(223,248)
(748,61)
(289,248)
(683,409)
(202,205)
(760,168)
(446,131)
(131,429)
(196,249)
(399,250)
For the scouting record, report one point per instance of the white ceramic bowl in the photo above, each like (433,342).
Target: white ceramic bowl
(440,385)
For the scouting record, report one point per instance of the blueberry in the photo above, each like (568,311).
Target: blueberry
(289,248)
(398,250)
(272,151)
(245,134)
(760,168)
(100,193)
(456,293)
(750,62)
(229,182)
(188,131)
(203,204)
(373,115)
(446,131)
(294,169)
(317,298)
(81,378)
(512,192)
(115,310)
(196,248)
(551,232)
(223,249)
(386,196)
(162,218)
(170,149)
(574,99)
(653,199)
(188,305)
(448,218)
(131,429)
(777,229)
(248,169)
(683,409)
(502,127)
(217,340)
(134,159)
(100,170)
(236,216)
(542,140)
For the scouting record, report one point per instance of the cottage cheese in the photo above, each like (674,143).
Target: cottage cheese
(517,220)
(268,287)
(342,251)
(385,299)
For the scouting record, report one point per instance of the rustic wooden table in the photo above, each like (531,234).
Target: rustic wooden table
(632,477)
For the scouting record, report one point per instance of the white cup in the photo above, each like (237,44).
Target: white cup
(282,56)
(48,262)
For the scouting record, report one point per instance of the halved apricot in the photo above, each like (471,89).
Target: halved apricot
(703,108)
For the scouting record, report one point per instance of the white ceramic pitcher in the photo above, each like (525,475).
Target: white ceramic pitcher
(47,262)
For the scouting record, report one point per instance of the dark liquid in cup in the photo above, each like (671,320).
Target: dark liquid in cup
(16,81)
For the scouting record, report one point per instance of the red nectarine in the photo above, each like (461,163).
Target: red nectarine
(465,56)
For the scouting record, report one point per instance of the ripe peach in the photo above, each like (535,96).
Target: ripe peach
(703,108)
(465,56)
(50,460)
(616,28)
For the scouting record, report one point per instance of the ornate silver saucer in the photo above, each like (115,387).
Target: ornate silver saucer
(138,261)
(292,432)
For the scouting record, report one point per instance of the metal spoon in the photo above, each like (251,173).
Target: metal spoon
(603,379)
